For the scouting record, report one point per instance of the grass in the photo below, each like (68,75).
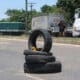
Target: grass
(67,40)
(14,36)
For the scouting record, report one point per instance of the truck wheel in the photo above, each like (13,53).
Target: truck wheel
(30,52)
(47,40)
(39,59)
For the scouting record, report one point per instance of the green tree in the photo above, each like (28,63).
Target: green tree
(68,8)
(3,20)
(30,15)
(50,9)
(46,9)
(16,15)
(55,9)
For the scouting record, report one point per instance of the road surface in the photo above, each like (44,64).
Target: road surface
(12,59)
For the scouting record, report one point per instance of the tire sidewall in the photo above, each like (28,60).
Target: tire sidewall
(47,39)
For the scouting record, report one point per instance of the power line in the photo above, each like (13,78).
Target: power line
(26,16)
(31,5)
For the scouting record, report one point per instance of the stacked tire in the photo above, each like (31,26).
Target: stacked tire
(40,60)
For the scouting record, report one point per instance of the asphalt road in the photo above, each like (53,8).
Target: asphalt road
(12,59)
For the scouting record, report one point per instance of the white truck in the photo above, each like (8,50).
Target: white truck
(76,24)
(49,22)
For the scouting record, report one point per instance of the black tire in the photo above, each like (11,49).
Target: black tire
(30,52)
(39,59)
(47,38)
(26,69)
(31,68)
(51,67)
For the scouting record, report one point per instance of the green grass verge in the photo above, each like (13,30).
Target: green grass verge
(67,40)
(14,36)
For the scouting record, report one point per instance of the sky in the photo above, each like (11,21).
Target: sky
(20,4)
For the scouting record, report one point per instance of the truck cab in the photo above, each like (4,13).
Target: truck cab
(76,24)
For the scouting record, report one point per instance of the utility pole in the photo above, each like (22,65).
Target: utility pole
(26,14)
(31,8)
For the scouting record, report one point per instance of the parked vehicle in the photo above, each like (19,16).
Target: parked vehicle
(49,22)
(12,27)
(68,30)
(76,24)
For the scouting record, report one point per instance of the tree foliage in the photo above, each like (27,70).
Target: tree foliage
(68,7)
(19,15)
(49,9)
(16,15)
(46,9)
